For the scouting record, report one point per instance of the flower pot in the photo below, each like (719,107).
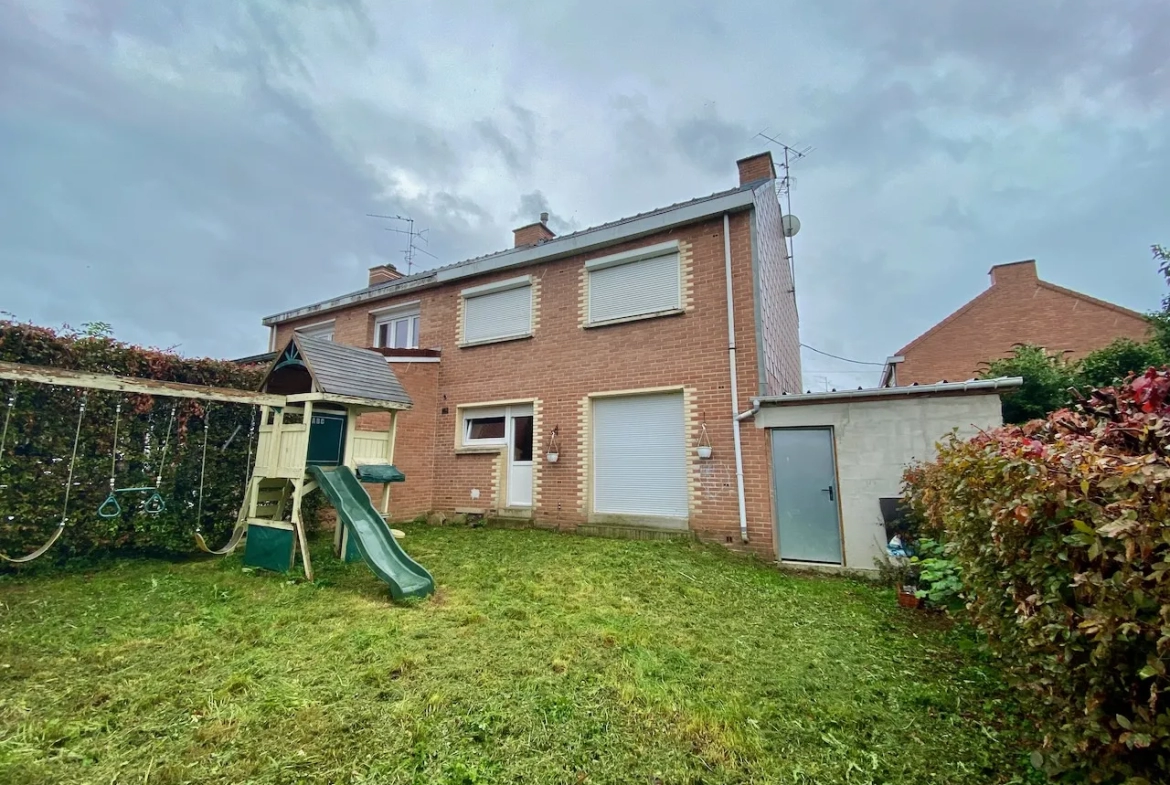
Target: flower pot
(552,457)
(907,598)
(704,452)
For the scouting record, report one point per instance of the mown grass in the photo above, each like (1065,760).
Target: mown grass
(544,658)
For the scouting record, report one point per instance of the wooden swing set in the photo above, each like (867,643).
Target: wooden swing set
(286,431)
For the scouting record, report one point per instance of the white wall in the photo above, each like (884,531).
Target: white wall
(875,440)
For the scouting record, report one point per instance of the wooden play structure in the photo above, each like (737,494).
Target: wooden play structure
(309,404)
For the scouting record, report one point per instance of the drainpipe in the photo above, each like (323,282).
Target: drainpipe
(743,532)
(750,413)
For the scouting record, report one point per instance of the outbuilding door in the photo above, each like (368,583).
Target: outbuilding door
(640,456)
(804,476)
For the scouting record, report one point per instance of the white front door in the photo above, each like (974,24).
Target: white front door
(640,457)
(519,456)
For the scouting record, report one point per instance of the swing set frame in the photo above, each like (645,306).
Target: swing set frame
(57,377)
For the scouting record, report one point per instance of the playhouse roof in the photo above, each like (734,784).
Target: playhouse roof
(344,371)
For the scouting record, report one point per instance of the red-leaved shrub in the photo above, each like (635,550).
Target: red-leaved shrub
(1061,528)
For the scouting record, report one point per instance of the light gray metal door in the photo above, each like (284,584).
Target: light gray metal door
(805,481)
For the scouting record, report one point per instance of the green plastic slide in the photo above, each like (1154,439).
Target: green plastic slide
(406,577)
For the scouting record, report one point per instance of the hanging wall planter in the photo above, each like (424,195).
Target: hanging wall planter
(703,447)
(553,454)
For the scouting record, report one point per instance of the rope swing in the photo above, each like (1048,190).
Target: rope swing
(68,483)
(241,524)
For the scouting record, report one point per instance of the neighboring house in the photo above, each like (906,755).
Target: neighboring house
(570,380)
(1018,308)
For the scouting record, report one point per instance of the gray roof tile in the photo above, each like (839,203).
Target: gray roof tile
(348,370)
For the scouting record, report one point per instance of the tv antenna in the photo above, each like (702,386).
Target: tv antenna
(411,235)
(784,183)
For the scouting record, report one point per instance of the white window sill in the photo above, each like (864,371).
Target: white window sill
(636,318)
(481,449)
(486,341)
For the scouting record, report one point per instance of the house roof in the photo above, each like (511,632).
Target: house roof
(343,370)
(256,359)
(1040,283)
(621,230)
(970,387)
(1093,300)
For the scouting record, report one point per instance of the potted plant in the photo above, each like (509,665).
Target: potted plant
(703,447)
(553,453)
(908,596)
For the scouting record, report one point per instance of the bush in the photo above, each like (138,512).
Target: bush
(1061,532)
(1114,363)
(939,580)
(1047,380)
(34,466)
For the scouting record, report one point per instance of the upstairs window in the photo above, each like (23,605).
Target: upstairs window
(640,283)
(497,311)
(322,331)
(397,327)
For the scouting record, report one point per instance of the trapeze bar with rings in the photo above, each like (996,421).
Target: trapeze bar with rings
(154,504)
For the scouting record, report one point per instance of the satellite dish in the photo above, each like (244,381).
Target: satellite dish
(790,224)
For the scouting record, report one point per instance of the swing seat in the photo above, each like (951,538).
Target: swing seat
(237,535)
(110,507)
(39,552)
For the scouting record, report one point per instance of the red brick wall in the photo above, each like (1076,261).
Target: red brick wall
(563,363)
(1018,308)
(414,443)
(780,338)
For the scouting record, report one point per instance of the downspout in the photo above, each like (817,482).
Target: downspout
(743,532)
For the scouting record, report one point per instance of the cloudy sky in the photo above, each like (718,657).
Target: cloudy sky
(182,168)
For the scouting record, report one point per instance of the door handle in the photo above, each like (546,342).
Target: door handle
(830,490)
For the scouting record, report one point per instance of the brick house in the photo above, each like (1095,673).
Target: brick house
(1018,308)
(608,347)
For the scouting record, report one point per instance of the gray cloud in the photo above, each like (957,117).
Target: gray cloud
(533,204)
(710,141)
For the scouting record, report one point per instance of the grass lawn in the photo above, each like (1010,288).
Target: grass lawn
(544,658)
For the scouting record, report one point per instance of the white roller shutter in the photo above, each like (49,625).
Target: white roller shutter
(645,286)
(503,314)
(640,455)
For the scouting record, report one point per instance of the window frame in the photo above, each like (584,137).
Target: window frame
(519,282)
(646,253)
(318,330)
(509,410)
(472,413)
(409,312)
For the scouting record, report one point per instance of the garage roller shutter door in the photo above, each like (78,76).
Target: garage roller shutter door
(640,456)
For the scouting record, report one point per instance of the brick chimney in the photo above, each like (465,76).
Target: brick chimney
(533,234)
(755,168)
(1014,273)
(384,273)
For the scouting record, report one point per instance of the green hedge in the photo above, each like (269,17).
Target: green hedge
(1061,530)
(35,463)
